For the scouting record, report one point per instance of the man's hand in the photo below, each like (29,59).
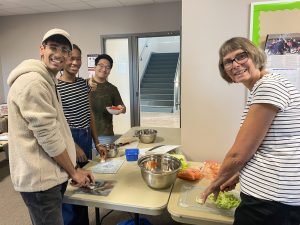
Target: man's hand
(82,178)
(92,85)
(122,109)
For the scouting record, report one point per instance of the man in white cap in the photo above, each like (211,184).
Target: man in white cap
(42,152)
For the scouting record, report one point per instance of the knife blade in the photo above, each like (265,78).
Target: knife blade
(155,147)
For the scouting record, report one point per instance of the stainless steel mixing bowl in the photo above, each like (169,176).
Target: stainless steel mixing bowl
(159,170)
(146,135)
(112,150)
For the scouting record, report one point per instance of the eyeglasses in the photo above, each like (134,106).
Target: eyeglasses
(239,58)
(101,66)
(55,48)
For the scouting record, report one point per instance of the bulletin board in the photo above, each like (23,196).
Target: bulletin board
(273,18)
(278,19)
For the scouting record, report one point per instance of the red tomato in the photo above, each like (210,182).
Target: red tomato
(115,107)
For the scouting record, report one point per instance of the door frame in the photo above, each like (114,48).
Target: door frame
(133,66)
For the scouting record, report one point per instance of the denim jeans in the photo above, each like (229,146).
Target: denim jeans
(45,207)
(83,138)
(77,214)
(108,139)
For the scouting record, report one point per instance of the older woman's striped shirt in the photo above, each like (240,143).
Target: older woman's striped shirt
(273,173)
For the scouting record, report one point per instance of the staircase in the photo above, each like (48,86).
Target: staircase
(157,85)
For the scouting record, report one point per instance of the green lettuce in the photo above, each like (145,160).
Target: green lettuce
(225,200)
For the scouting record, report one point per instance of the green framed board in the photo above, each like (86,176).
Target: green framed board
(259,7)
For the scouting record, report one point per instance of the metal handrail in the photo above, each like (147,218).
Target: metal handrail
(144,47)
(177,86)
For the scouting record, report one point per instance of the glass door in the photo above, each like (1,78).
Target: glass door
(130,63)
(159,76)
(118,49)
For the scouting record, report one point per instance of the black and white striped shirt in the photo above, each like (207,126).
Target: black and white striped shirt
(274,171)
(75,102)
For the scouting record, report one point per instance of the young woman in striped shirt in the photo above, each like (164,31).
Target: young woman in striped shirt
(265,156)
(74,92)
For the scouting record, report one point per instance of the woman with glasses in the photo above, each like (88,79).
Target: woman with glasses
(265,156)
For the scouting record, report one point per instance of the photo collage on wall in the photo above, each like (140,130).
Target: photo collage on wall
(283,56)
(283,44)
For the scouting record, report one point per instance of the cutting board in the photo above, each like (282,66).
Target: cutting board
(190,193)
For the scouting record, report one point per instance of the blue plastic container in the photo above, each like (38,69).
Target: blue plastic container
(143,221)
(132,154)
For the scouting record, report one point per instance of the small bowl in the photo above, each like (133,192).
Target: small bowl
(113,111)
(146,136)
(112,150)
(159,171)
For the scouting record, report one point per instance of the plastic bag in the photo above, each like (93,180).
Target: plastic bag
(210,169)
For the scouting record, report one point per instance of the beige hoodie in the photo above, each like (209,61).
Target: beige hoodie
(37,128)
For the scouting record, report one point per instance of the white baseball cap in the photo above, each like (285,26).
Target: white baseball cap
(57,31)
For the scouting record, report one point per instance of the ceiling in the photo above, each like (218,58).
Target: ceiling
(22,7)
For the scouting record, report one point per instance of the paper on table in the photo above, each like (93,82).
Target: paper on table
(108,167)
(160,150)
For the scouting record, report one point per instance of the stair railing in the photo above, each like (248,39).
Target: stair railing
(177,103)
(144,58)
(144,49)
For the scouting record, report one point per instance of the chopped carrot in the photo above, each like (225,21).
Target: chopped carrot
(115,107)
(190,174)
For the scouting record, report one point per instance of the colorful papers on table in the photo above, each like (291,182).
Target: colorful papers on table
(111,166)
(100,187)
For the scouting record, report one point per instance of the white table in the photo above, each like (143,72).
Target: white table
(192,216)
(165,136)
(130,193)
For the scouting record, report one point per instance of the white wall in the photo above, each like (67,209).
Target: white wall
(165,44)
(211,108)
(119,76)
(21,35)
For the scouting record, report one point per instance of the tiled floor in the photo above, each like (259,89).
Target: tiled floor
(160,119)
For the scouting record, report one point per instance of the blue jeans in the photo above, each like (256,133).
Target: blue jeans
(83,138)
(45,207)
(77,214)
(108,139)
